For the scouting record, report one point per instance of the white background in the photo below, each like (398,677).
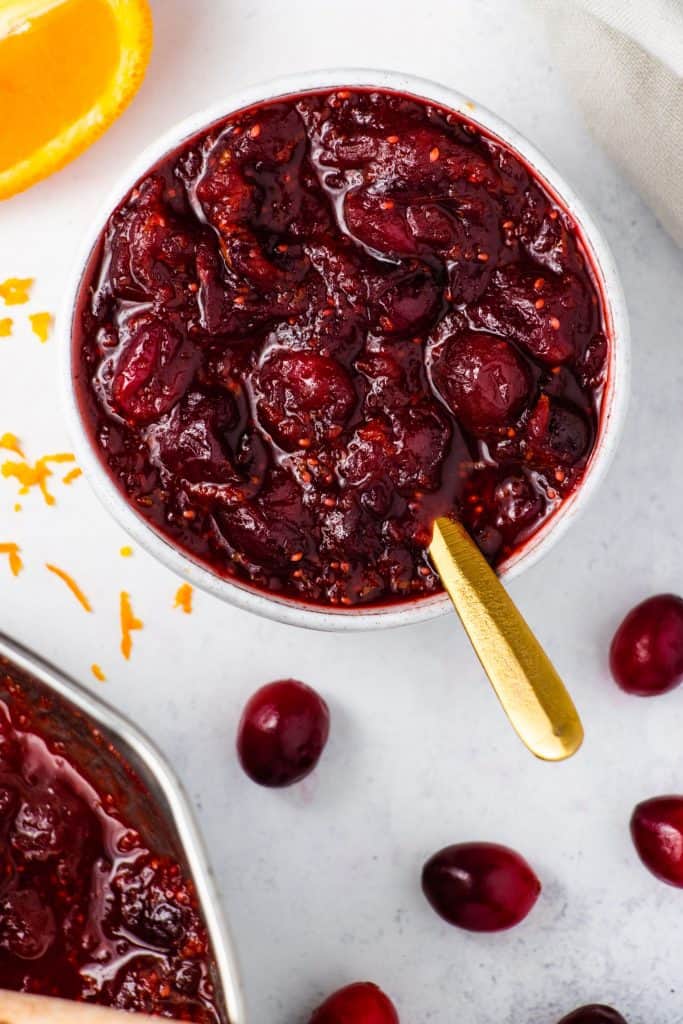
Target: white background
(321,882)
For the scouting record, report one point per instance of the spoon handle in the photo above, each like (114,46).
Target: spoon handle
(532,694)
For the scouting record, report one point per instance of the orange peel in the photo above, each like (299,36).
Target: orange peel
(69,68)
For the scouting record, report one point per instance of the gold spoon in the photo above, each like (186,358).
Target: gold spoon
(532,694)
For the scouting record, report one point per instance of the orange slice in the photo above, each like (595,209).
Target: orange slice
(68,68)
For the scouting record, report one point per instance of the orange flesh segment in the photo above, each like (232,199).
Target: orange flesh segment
(47,68)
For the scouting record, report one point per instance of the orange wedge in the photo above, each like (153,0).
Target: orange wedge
(68,68)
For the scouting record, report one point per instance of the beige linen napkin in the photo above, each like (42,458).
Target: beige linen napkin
(624,63)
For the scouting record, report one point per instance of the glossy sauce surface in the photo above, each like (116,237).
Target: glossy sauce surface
(88,910)
(327,321)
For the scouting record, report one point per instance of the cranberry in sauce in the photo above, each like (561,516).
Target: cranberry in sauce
(324,322)
(360,1003)
(646,656)
(282,733)
(657,832)
(593,1014)
(89,910)
(483,887)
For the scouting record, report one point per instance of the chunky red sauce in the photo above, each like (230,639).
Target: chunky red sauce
(88,909)
(328,320)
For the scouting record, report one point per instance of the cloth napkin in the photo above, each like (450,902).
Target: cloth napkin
(623,60)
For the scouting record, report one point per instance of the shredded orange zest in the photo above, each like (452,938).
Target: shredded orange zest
(12,444)
(69,68)
(98,673)
(72,475)
(72,585)
(15,562)
(35,475)
(40,325)
(16,290)
(126,551)
(183,598)
(128,624)
(5,327)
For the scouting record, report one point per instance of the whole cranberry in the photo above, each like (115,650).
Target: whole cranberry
(646,656)
(483,379)
(483,887)
(282,733)
(593,1014)
(657,832)
(360,1003)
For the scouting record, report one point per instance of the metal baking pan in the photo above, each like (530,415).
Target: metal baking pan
(143,782)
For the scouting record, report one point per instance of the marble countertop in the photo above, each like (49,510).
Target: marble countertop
(321,882)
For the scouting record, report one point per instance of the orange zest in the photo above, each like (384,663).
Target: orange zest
(35,475)
(5,326)
(128,624)
(72,585)
(72,475)
(11,443)
(69,68)
(98,673)
(40,325)
(15,291)
(15,562)
(183,598)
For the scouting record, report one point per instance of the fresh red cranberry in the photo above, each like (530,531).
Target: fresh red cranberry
(282,733)
(483,379)
(657,833)
(483,887)
(594,1014)
(646,656)
(360,1003)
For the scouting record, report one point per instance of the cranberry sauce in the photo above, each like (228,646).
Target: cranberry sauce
(328,320)
(89,909)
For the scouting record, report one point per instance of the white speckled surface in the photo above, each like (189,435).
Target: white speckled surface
(322,882)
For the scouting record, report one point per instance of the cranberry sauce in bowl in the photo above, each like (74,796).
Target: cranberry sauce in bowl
(328,319)
(96,902)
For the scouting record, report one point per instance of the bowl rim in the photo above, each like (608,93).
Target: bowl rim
(615,397)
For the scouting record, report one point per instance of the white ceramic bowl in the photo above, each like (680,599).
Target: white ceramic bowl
(614,401)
